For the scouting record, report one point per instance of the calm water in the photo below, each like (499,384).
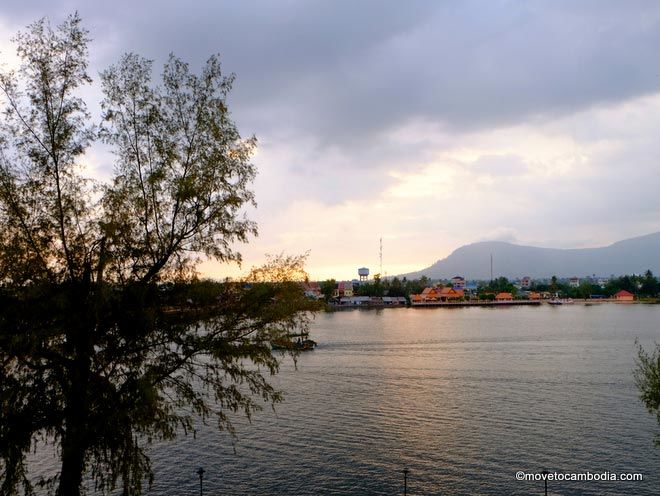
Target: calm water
(464,398)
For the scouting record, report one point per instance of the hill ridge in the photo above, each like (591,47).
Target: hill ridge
(472,261)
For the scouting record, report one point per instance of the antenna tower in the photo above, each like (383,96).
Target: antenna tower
(381,257)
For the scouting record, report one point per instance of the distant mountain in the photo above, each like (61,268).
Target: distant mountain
(631,256)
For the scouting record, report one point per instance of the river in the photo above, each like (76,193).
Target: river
(464,398)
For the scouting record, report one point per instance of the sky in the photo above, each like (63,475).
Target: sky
(428,125)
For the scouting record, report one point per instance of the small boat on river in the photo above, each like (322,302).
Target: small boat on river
(303,343)
(557,301)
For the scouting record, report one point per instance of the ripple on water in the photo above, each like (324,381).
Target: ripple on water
(463,398)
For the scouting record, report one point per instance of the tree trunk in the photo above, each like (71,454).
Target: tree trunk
(75,438)
(73,459)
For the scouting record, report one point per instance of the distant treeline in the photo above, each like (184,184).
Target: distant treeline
(380,287)
(646,285)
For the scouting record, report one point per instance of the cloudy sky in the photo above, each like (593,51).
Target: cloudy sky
(427,124)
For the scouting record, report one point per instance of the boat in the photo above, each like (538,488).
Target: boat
(557,301)
(303,343)
(306,345)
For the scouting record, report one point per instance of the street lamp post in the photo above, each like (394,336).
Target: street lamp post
(545,480)
(200,472)
(405,481)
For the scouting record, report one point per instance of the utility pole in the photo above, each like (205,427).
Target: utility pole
(491,267)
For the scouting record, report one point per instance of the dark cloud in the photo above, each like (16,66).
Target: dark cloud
(349,99)
(345,72)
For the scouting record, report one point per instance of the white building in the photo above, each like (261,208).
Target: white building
(458,282)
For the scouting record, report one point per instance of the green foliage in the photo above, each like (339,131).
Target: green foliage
(372,288)
(649,285)
(621,283)
(501,284)
(585,290)
(554,286)
(107,341)
(395,287)
(183,170)
(415,286)
(327,288)
(646,285)
(647,379)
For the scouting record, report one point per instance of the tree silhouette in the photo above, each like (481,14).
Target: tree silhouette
(100,352)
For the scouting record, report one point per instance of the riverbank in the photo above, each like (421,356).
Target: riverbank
(483,303)
(471,303)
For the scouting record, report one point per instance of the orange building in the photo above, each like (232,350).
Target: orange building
(438,294)
(503,297)
(624,295)
(448,294)
(430,294)
(427,294)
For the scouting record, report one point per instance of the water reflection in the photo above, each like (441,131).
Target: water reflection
(464,398)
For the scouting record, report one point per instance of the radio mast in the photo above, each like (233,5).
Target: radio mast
(381,257)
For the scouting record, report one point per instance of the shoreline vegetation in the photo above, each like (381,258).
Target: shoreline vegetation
(457,291)
(451,304)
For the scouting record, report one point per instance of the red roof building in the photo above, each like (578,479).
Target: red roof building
(624,295)
(438,294)
(344,288)
(312,289)
(447,294)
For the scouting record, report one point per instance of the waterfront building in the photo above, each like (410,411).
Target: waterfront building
(429,295)
(451,294)
(344,288)
(372,301)
(394,300)
(503,297)
(458,282)
(312,289)
(624,295)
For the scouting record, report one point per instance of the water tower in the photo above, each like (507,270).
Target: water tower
(363,272)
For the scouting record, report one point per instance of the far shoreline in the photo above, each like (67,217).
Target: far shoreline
(535,303)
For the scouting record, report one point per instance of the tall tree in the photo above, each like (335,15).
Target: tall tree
(396,288)
(650,286)
(328,288)
(647,379)
(96,355)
